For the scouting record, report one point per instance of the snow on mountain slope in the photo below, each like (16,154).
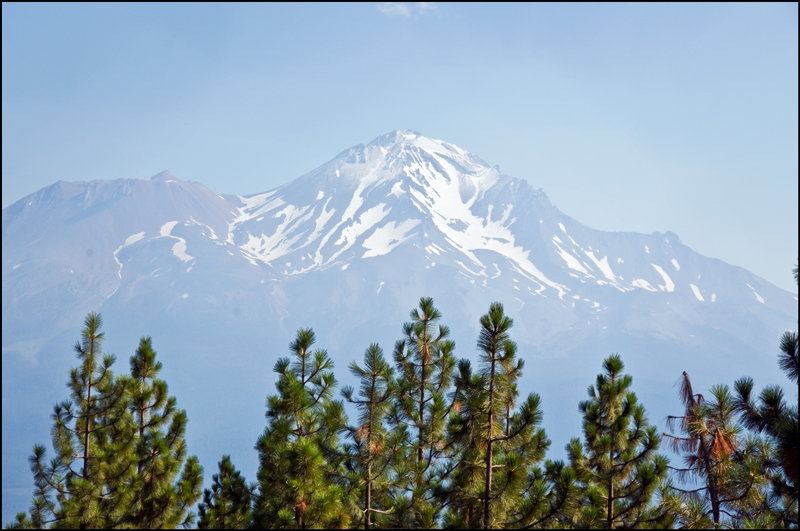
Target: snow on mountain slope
(223,282)
(404,189)
(79,245)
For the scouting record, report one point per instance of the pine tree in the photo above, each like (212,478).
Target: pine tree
(299,484)
(715,455)
(550,497)
(771,416)
(227,504)
(425,359)
(778,421)
(162,499)
(86,428)
(495,478)
(425,362)
(461,491)
(617,464)
(528,495)
(495,346)
(373,450)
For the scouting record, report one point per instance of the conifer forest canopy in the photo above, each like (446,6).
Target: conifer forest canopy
(435,442)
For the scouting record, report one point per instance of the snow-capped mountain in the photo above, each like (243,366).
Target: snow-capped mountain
(222,282)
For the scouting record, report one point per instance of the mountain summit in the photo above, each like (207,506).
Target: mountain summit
(348,249)
(165,176)
(403,208)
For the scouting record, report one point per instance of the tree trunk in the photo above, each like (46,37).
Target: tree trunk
(86,428)
(141,428)
(299,512)
(86,431)
(487,516)
(88,420)
(712,483)
(715,503)
(425,354)
(368,501)
(140,466)
(368,496)
(86,438)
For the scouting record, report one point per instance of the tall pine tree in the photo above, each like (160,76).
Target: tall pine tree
(373,450)
(617,464)
(163,498)
(300,485)
(90,430)
(461,488)
(495,449)
(777,420)
(425,363)
(710,438)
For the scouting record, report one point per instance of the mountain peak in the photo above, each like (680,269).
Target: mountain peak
(164,176)
(402,140)
(398,136)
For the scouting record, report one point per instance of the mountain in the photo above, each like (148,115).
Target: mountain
(222,282)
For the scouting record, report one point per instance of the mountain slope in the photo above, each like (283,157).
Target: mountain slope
(222,282)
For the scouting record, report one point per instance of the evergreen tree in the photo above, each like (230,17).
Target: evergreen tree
(128,465)
(495,478)
(425,360)
(299,484)
(93,426)
(715,456)
(227,504)
(777,420)
(461,492)
(617,464)
(550,497)
(528,495)
(425,363)
(496,346)
(162,499)
(373,450)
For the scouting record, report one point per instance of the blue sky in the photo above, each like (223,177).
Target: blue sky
(630,117)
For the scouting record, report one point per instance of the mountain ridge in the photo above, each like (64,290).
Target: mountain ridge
(400,189)
(222,282)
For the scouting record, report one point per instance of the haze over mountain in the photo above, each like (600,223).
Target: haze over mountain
(222,282)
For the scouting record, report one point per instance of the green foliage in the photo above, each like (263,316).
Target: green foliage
(162,498)
(93,428)
(617,465)
(716,457)
(373,449)
(440,445)
(771,416)
(425,362)
(300,478)
(127,476)
(494,477)
(227,504)
(787,359)
(462,492)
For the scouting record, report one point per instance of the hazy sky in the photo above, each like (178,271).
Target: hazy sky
(630,117)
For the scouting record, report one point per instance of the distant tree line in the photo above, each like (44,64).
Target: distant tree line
(436,443)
